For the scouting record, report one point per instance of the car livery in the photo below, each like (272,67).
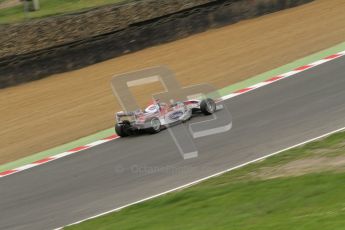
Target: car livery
(158,116)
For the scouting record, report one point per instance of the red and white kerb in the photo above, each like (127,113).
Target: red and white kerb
(113,137)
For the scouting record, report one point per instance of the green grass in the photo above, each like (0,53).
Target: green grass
(49,8)
(237,201)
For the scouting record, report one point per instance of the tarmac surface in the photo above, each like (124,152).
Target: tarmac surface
(122,171)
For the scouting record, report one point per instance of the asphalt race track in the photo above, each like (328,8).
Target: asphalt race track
(116,173)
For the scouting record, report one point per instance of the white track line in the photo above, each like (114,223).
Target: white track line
(205,178)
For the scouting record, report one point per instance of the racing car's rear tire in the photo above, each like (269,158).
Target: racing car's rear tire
(208,106)
(122,129)
(155,125)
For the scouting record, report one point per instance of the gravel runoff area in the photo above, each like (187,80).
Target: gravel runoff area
(40,115)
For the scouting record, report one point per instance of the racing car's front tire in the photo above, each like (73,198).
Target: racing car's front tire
(155,126)
(122,129)
(208,106)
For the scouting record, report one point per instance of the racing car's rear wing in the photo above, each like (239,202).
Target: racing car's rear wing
(120,116)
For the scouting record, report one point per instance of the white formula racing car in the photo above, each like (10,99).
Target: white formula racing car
(158,116)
